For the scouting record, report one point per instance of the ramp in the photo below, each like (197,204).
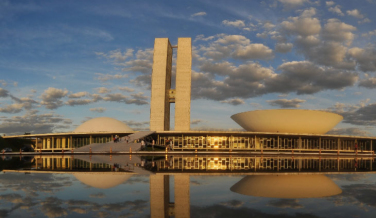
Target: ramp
(121,146)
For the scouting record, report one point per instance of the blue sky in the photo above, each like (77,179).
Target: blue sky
(63,62)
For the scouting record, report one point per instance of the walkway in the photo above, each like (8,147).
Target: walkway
(122,145)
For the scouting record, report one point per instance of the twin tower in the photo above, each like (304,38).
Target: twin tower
(161,93)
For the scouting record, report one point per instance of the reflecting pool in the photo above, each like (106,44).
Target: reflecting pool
(186,186)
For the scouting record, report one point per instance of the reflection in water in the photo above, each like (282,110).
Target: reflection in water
(101,180)
(271,177)
(287,186)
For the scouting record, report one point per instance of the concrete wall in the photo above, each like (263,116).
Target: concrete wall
(161,84)
(183,85)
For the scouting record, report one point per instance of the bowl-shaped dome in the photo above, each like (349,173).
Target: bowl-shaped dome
(287,121)
(103,124)
(102,180)
(287,186)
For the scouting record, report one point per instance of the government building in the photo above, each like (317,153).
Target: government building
(279,130)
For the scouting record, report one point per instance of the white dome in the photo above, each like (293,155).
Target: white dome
(103,124)
(102,180)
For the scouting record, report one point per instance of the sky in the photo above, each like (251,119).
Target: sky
(64,62)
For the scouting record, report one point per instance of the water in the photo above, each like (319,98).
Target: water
(181,186)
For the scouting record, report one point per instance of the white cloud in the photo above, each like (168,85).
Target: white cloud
(106,77)
(234,101)
(103,90)
(78,95)
(336,10)
(237,47)
(338,31)
(283,47)
(355,13)
(127,89)
(329,3)
(365,20)
(202,13)
(78,102)
(288,4)
(98,109)
(116,55)
(34,123)
(51,97)
(303,25)
(286,103)
(236,23)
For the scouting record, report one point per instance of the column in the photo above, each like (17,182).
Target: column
(182,196)
(183,85)
(160,85)
(159,195)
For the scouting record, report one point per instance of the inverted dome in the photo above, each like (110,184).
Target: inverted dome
(102,180)
(287,121)
(103,124)
(287,186)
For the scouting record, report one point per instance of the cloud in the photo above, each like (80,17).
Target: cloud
(98,109)
(236,23)
(338,31)
(13,108)
(349,131)
(78,95)
(337,10)
(285,103)
(365,20)
(116,55)
(286,203)
(78,102)
(51,97)
(137,124)
(360,114)
(283,47)
(103,90)
(51,207)
(98,195)
(303,77)
(138,99)
(355,13)
(196,121)
(140,62)
(33,123)
(329,3)
(235,101)
(3,93)
(303,25)
(269,25)
(232,203)
(289,4)
(236,47)
(106,77)
(365,58)
(369,83)
(202,13)
(126,89)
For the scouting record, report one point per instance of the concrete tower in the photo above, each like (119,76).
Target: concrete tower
(162,94)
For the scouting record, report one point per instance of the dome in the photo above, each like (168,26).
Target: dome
(103,124)
(287,186)
(287,121)
(102,180)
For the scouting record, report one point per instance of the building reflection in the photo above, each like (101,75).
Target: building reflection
(265,176)
(263,163)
